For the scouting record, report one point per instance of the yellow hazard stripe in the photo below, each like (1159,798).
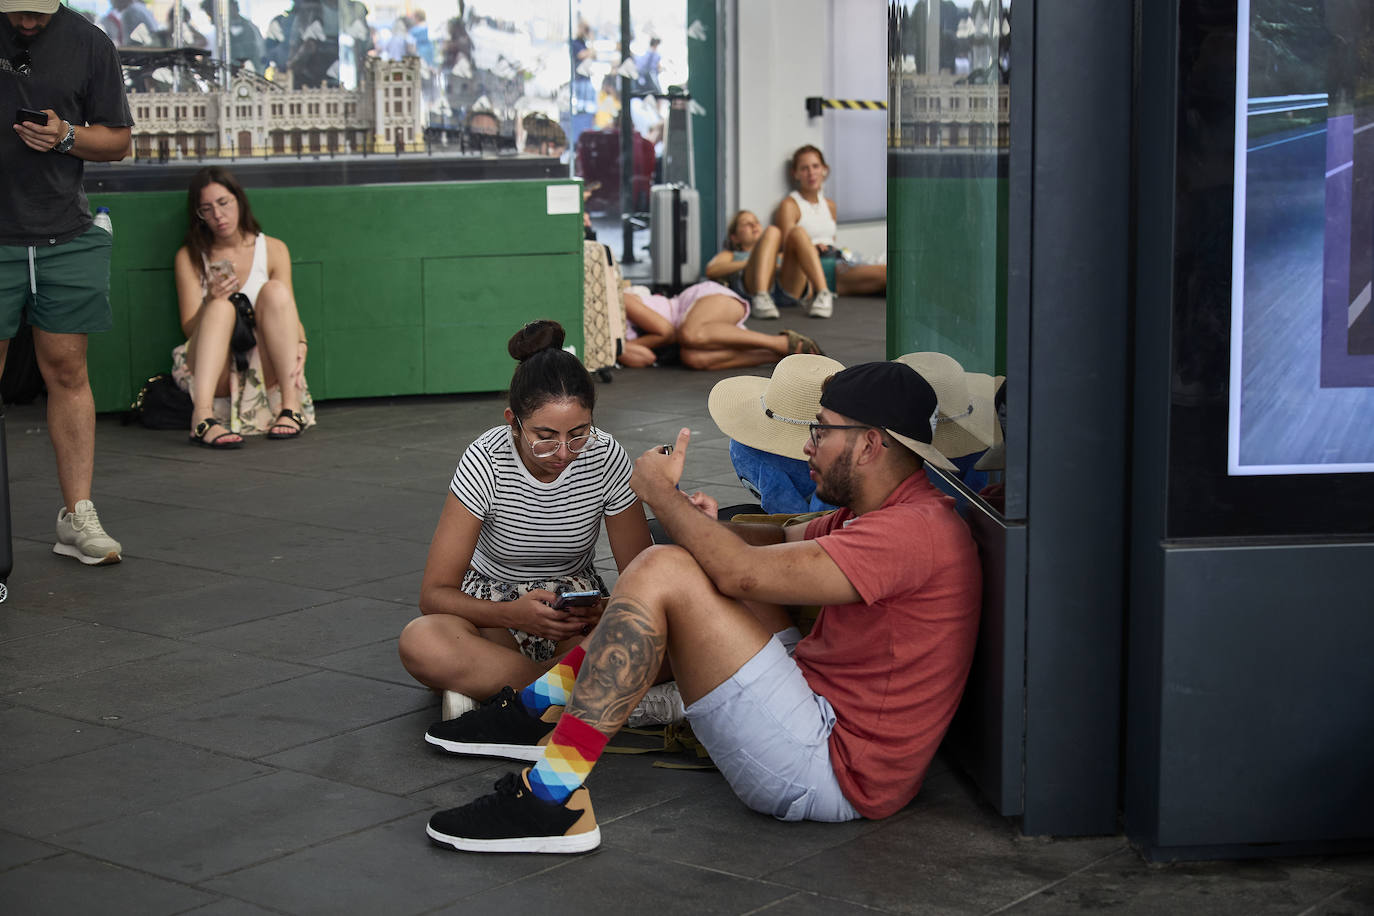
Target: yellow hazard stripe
(854,104)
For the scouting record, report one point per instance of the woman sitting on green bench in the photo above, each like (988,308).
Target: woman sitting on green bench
(226,252)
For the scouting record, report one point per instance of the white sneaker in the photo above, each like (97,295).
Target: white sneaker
(455,704)
(763,306)
(823,306)
(662,705)
(80,536)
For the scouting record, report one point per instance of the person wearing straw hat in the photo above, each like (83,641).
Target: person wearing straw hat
(967,423)
(843,726)
(60,82)
(766,420)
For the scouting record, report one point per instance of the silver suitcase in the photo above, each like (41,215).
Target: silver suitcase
(675,236)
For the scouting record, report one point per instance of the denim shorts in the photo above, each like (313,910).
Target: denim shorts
(66,287)
(769,735)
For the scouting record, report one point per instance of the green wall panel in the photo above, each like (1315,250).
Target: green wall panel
(946,269)
(372,293)
(371,362)
(453,353)
(149,292)
(307,281)
(358,271)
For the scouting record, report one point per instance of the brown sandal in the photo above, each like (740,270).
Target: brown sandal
(800,343)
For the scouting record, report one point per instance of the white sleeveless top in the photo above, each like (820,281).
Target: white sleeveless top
(815,218)
(257,274)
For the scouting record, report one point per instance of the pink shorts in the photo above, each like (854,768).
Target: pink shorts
(676,308)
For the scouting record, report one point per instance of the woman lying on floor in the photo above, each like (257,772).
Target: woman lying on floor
(706,321)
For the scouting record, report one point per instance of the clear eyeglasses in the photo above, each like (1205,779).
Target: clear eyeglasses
(547,448)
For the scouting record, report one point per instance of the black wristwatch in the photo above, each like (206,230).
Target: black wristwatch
(66,143)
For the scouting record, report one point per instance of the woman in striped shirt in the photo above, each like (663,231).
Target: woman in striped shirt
(521,521)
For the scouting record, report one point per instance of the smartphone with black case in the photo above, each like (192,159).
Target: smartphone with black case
(567,600)
(30,115)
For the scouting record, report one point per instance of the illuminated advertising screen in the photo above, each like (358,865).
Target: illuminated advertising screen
(1302,325)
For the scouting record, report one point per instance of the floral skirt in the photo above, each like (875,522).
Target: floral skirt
(251,408)
(535,648)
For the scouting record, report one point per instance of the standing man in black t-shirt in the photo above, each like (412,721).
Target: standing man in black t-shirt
(54,262)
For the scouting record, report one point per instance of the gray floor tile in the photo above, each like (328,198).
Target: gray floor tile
(390,869)
(71,651)
(226,906)
(942,858)
(17,850)
(32,737)
(148,687)
(614,880)
(262,819)
(314,631)
(16,624)
(275,717)
(235,599)
(310,555)
(1358,864)
(1123,883)
(390,756)
(804,903)
(1353,901)
(377,660)
(50,798)
(73,884)
(712,829)
(400,589)
(43,582)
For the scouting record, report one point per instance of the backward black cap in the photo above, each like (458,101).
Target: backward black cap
(892,395)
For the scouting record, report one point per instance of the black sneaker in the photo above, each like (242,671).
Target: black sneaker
(500,727)
(514,820)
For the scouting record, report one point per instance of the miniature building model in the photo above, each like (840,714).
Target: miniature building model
(256,117)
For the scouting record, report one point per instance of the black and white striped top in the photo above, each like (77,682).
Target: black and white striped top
(535,530)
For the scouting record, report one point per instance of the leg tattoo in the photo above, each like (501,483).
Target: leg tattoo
(624,654)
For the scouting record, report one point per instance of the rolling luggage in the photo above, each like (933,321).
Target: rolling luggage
(675,237)
(603,310)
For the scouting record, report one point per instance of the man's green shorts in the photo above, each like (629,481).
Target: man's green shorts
(72,282)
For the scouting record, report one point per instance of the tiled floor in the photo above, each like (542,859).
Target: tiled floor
(220,724)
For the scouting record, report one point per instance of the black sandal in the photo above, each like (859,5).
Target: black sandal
(209,423)
(287,414)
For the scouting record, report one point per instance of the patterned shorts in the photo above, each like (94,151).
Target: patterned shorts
(536,648)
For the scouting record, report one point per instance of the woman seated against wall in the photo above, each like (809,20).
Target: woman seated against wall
(243,362)
(520,523)
(748,262)
(706,322)
(813,270)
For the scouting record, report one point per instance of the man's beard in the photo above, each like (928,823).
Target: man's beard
(836,483)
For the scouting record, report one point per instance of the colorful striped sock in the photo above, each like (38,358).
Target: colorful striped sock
(555,686)
(573,747)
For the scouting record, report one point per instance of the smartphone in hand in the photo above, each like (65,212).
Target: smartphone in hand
(30,115)
(566,600)
(222,270)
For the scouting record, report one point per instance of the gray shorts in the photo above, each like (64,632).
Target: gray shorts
(769,735)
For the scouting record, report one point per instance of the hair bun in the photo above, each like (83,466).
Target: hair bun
(543,334)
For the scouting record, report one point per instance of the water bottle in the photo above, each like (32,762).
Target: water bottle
(102,219)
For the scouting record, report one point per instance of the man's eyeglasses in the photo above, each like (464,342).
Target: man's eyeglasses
(547,448)
(21,63)
(816,427)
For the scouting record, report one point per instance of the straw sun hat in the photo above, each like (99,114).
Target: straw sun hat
(772,414)
(967,419)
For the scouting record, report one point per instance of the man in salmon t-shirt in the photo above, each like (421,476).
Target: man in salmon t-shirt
(837,725)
